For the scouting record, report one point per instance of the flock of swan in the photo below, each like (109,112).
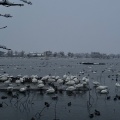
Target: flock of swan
(52,83)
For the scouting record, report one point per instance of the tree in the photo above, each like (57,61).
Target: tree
(10,53)
(70,54)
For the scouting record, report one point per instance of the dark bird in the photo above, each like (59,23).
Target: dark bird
(91,115)
(69,104)
(97,112)
(6,3)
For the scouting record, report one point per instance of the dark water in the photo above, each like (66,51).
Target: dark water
(31,104)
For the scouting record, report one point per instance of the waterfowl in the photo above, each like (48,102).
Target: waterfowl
(96,83)
(105,91)
(101,87)
(23,89)
(50,90)
(70,88)
(117,84)
(97,112)
(41,85)
(59,81)
(70,82)
(91,115)
(69,104)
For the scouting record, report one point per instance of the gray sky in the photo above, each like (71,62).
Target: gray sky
(63,25)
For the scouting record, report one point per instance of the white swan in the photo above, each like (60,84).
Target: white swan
(50,90)
(117,84)
(105,91)
(96,83)
(70,82)
(18,82)
(34,80)
(40,81)
(76,80)
(70,88)
(80,85)
(57,77)
(101,87)
(23,89)
(9,89)
(60,81)
(64,76)
(51,80)
(41,85)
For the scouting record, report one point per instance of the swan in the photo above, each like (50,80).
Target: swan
(7,82)
(76,80)
(67,79)
(105,91)
(9,89)
(101,87)
(44,78)
(117,84)
(70,88)
(85,79)
(64,76)
(57,77)
(34,80)
(96,83)
(70,82)
(41,85)
(60,81)
(3,78)
(21,80)
(50,90)
(51,80)
(18,82)
(23,89)
(80,85)
(40,81)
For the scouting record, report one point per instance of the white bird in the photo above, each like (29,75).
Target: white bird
(96,83)
(76,80)
(57,77)
(45,78)
(117,84)
(21,80)
(80,85)
(70,82)
(50,90)
(9,89)
(51,80)
(34,80)
(105,91)
(41,85)
(23,89)
(18,82)
(4,77)
(101,87)
(60,81)
(70,88)
(85,79)
(64,76)
(40,81)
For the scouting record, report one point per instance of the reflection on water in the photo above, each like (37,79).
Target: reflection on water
(62,105)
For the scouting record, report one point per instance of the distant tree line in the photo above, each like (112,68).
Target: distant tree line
(60,54)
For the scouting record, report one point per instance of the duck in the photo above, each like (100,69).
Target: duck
(97,112)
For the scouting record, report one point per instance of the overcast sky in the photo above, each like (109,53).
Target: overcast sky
(63,25)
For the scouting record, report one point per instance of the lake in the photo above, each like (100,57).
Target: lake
(76,105)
